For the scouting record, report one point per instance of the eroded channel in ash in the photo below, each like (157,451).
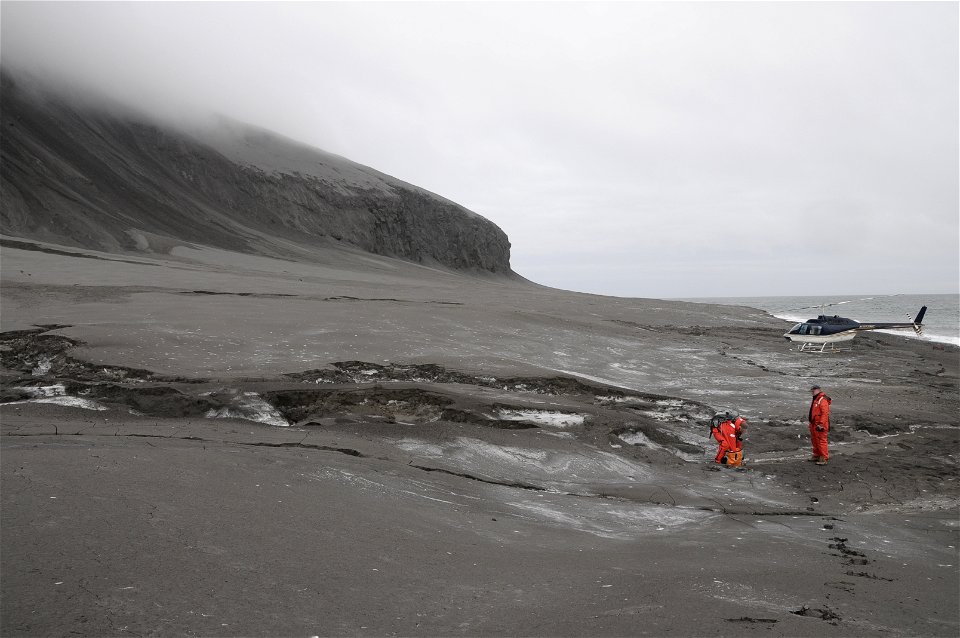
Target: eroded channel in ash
(38,367)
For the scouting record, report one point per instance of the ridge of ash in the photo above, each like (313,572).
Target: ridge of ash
(37,367)
(657,435)
(407,406)
(362,372)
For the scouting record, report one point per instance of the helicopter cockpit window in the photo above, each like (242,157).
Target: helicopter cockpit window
(815,330)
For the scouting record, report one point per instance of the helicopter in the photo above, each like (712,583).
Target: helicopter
(817,334)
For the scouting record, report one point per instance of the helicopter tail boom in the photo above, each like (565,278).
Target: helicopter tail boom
(916,324)
(919,320)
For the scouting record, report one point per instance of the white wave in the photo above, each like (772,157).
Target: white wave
(926,336)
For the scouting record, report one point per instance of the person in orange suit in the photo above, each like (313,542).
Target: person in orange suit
(728,431)
(819,424)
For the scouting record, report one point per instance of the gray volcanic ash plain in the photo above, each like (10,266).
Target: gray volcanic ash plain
(226,444)
(226,430)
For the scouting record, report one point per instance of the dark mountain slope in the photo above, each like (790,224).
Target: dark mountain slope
(84,176)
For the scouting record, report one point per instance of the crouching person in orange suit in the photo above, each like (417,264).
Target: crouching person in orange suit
(728,431)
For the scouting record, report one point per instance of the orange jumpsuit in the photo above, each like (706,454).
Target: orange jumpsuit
(820,424)
(728,435)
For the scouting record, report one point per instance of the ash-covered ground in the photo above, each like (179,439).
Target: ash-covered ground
(206,443)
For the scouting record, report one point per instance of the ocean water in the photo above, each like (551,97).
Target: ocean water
(941,323)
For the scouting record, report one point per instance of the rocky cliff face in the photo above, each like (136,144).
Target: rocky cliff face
(85,176)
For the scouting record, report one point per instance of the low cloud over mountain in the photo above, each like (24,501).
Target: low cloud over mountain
(101,178)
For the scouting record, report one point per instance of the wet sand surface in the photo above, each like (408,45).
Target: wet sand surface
(206,443)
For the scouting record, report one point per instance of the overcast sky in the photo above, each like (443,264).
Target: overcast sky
(633,149)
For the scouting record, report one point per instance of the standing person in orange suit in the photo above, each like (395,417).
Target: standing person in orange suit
(819,424)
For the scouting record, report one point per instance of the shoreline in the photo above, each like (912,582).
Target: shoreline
(791,316)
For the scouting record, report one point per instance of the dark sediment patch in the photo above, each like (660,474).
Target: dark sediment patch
(391,405)
(850,556)
(776,423)
(342,372)
(873,425)
(634,404)
(390,299)
(360,372)
(154,400)
(36,361)
(258,295)
(823,614)
(301,405)
(33,356)
(868,575)
(646,405)
(700,331)
(748,619)
(25,245)
(915,471)
(345,372)
(471,477)
(842,585)
(9,395)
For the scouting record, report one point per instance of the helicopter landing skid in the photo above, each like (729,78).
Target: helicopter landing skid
(820,347)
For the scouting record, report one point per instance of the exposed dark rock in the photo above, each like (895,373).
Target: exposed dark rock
(35,357)
(823,614)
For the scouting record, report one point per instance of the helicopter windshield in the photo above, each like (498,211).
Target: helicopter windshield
(806,329)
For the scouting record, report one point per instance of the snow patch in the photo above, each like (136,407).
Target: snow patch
(67,401)
(251,407)
(43,367)
(57,390)
(639,438)
(543,417)
(56,395)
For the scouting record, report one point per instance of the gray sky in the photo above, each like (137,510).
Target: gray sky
(633,149)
